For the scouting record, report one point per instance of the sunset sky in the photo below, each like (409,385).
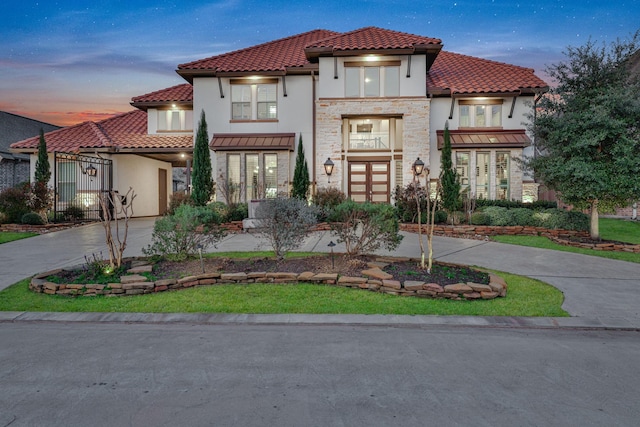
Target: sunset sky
(65,62)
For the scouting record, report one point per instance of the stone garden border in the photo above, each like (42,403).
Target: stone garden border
(373,279)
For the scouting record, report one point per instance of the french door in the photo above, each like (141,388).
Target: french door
(369,181)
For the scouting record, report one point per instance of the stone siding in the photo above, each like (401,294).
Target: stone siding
(329,140)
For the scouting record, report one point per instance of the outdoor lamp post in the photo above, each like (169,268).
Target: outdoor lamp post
(418,168)
(328,168)
(331,245)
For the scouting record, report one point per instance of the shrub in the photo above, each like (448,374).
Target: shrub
(14,202)
(441,217)
(522,216)
(406,206)
(180,235)
(497,215)
(480,218)
(238,212)
(537,205)
(285,222)
(326,199)
(364,227)
(32,218)
(179,199)
(73,213)
(560,219)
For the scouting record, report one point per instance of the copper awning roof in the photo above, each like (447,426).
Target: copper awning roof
(513,138)
(252,141)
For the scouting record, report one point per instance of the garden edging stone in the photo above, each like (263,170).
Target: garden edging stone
(135,284)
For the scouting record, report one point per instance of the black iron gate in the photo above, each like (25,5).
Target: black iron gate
(79,183)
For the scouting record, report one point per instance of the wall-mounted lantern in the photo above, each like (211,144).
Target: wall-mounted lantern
(90,170)
(417,167)
(328,168)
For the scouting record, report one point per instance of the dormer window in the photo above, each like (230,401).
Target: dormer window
(480,113)
(175,120)
(363,79)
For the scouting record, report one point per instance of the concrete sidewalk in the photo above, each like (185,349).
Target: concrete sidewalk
(599,290)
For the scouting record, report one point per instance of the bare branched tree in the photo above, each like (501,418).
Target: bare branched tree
(116,208)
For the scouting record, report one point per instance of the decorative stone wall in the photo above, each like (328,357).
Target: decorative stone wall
(329,115)
(372,279)
(482,231)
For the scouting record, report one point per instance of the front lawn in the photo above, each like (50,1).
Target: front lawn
(610,229)
(10,236)
(525,297)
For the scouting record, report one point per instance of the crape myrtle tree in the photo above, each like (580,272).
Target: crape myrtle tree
(201,177)
(449,179)
(587,128)
(300,186)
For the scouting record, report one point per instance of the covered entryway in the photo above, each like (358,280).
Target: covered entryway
(370,181)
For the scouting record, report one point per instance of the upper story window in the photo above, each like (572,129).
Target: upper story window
(254,101)
(175,120)
(367,79)
(480,114)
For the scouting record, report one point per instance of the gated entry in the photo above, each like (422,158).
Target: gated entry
(79,182)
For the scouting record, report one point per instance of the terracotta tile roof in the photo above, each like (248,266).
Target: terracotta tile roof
(479,138)
(453,73)
(179,93)
(277,55)
(123,131)
(247,141)
(373,38)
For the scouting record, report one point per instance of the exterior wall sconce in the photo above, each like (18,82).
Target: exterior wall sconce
(417,167)
(90,170)
(328,168)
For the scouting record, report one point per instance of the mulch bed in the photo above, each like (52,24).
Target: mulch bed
(401,269)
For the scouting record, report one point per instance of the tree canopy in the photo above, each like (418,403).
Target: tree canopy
(201,179)
(586,128)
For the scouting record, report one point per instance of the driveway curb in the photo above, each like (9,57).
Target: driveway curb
(586,323)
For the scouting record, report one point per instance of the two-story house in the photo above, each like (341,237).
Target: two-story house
(370,101)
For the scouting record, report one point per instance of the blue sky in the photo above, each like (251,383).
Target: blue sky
(68,61)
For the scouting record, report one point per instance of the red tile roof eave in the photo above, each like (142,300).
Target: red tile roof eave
(449,93)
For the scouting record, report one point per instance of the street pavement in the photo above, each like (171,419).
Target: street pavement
(598,291)
(170,369)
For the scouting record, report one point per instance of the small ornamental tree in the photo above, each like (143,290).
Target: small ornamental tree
(300,188)
(43,169)
(201,177)
(40,198)
(449,181)
(586,129)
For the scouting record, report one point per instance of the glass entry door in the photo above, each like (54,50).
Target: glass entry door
(369,181)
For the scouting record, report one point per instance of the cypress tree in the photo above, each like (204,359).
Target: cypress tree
(450,182)
(201,177)
(43,169)
(300,188)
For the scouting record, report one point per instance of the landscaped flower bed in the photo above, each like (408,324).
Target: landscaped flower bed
(455,282)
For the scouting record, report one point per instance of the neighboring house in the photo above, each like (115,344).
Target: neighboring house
(14,167)
(370,100)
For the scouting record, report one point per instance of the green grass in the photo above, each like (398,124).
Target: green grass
(10,236)
(610,229)
(620,230)
(525,297)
